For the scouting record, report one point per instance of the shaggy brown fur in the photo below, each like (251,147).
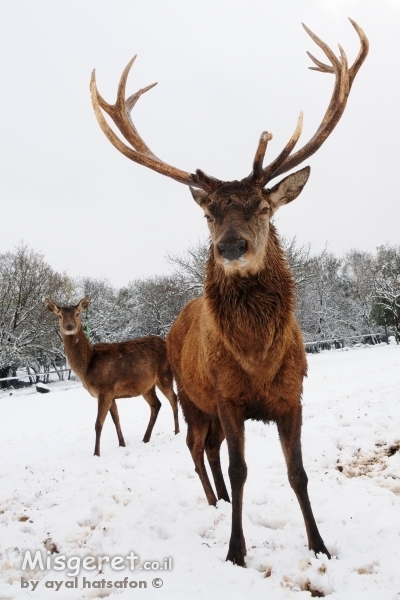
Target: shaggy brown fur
(237,352)
(120,370)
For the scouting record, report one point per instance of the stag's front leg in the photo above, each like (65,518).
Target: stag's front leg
(289,429)
(232,421)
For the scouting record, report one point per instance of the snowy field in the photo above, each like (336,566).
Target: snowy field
(147,499)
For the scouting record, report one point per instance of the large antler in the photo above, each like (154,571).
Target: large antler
(120,113)
(344,77)
(139,152)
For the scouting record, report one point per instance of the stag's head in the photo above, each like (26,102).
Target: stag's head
(239,212)
(69,316)
(238,215)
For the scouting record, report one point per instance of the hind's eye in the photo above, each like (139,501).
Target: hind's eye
(264,210)
(209,219)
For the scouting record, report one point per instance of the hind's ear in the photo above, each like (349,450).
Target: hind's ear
(84,303)
(52,306)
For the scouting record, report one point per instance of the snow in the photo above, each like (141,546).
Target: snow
(146,498)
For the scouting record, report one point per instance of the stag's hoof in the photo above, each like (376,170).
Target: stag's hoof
(320,548)
(236,558)
(237,552)
(224,496)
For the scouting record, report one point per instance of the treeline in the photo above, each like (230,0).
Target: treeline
(337,298)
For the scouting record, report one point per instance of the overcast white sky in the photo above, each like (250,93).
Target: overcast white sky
(227,70)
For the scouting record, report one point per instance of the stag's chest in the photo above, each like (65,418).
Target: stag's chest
(261,375)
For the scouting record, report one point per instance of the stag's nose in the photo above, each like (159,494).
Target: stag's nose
(69,327)
(232,250)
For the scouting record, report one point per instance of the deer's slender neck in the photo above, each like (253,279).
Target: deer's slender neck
(78,351)
(251,307)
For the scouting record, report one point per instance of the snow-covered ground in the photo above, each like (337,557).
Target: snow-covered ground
(146,498)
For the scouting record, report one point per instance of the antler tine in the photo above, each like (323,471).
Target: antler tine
(262,176)
(122,82)
(323,68)
(345,87)
(257,173)
(324,47)
(146,160)
(362,54)
(120,114)
(131,101)
(344,77)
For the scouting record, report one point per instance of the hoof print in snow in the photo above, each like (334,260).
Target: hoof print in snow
(51,546)
(42,389)
(313,591)
(372,463)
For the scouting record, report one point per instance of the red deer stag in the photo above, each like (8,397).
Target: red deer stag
(237,352)
(120,370)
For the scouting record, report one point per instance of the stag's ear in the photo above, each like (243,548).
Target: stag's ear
(288,189)
(84,303)
(198,195)
(52,306)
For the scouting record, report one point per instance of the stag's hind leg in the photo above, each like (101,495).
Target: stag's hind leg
(115,418)
(155,405)
(289,428)
(198,426)
(214,439)
(165,384)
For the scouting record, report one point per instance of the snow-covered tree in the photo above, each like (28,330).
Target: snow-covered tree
(154,303)
(387,287)
(26,333)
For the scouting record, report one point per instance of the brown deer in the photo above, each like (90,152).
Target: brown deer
(119,370)
(237,352)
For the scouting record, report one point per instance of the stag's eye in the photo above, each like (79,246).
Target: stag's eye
(264,210)
(209,219)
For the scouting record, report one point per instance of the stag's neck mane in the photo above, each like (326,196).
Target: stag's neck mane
(256,305)
(78,351)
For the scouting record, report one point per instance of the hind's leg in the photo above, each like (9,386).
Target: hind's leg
(104,403)
(115,418)
(165,384)
(155,405)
